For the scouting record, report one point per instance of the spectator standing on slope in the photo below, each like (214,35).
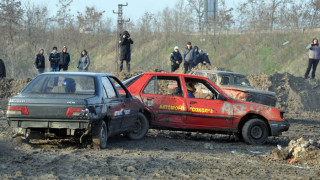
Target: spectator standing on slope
(64,59)
(84,61)
(54,59)
(176,59)
(40,61)
(125,50)
(188,57)
(314,56)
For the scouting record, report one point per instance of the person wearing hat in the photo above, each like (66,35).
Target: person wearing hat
(125,50)
(175,58)
(40,61)
(204,58)
(188,57)
(54,59)
(64,59)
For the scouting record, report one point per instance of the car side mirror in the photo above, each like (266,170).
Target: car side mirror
(221,97)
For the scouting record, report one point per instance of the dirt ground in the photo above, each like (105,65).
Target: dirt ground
(179,155)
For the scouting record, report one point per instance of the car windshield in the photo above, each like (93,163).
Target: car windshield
(62,84)
(234,79)
(241,80)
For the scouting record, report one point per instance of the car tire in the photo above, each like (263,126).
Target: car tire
(255,132)
(100,136)
(141,128)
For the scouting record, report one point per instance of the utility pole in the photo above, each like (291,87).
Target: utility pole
(120,23)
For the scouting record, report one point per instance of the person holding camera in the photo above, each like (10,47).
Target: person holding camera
(125,50)
(314,56)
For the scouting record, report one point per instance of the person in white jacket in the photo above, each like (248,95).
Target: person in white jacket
(314,56)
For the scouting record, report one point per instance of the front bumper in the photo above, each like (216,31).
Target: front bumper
(277,127)
(48,123)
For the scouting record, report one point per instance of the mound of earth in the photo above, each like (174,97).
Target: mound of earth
(11,87)
(294,94)
(302,152)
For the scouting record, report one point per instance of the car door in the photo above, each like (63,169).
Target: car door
(164,97)
(114,104)
(206,111)
(130,107)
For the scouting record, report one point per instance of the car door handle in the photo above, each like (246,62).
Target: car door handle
(150,98)
(193,102)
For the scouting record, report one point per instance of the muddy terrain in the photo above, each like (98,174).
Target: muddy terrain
(177,155)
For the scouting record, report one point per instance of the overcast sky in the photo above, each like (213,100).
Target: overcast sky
(134,10)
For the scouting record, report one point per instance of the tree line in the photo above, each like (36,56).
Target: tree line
(27,27)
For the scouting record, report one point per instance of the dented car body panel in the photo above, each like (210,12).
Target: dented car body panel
(238,87)
(210,111)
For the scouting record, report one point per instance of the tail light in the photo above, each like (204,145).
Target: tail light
(18,110)
(74,111)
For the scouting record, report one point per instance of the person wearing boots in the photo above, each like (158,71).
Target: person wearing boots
(176,59)
(40,61)
(64,59)
(125,50)
(314,56)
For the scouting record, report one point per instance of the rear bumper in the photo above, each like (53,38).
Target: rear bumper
(48,123)
(277,127)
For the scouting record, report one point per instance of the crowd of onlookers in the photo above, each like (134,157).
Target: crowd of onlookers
(61,60)
(191,57)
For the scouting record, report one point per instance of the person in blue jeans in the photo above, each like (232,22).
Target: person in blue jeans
(40,61)
(54,59)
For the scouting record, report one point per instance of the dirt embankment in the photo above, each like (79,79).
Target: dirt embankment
(11,87)
(295,94)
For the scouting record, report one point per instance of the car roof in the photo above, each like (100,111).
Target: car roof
(218,72)
(78,73)
(172,74)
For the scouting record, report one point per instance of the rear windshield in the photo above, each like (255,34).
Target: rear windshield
(62,84)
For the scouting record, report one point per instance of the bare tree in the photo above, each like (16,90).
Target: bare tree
(197,6)
(11,14)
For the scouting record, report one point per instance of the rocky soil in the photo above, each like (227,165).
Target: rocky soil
(177,155)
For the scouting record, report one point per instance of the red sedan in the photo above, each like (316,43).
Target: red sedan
(195,103)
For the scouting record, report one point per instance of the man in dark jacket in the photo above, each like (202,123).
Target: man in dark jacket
(125,50)
(176,59)
(40,61)
(2,69)
(188,57)
(204,58)
(54,59)
(64,59)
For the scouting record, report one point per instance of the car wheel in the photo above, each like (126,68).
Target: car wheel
(100,137)
(140,129)
(255,132)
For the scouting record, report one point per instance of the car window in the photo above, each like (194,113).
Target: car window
(116,83)
(62,84)
(164,85)
(200,89)
(241,80)
(199,73)
(212,77)
(108,87)
(129,81)
(225,80)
